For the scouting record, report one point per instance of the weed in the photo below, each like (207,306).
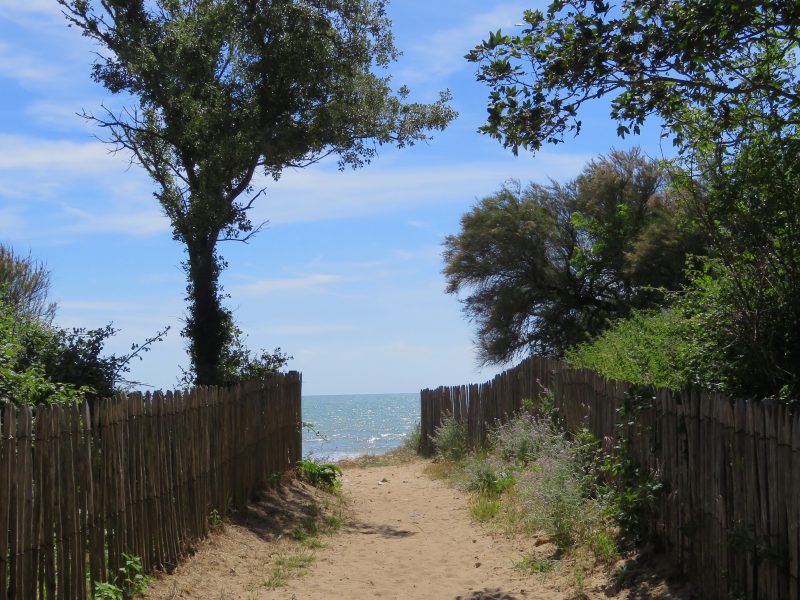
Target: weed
(450,440)
(438,470)
(129,582)
(322,475)
(534,564)
(413,439)
(214,519)
(286,566)
(483,508)
(312,543)
(332,523)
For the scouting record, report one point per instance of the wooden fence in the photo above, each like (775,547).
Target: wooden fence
(140,475)
(730,513)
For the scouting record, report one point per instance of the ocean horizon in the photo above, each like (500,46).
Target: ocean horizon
(351,425)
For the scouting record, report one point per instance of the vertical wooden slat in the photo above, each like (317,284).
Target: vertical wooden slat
(7,480)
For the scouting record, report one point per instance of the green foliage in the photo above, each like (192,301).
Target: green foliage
(745,300)
(547,267)
(224,90)
(524,440)
(287,566)
(129,582)
(734,325)
(487,477)
(700,66)
(533,564)
(450,440)
(324,475)
(413,439)
(23,376)
(25,285)
(534,476)
(651,347)
(42,363)
(240,364)
(483,508)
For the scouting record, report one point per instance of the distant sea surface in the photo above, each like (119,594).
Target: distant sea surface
(359,424)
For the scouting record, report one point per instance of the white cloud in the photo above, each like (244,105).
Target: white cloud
(442,53)
(60,116)
(136,223)
(23,67)
(306,282)
(16,11)
(317,194)
(25,153)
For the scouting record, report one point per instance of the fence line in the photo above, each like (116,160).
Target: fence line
(140,474)
(730,514)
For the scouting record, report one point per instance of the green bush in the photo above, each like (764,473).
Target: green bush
(525,439)
(450,440)
(544,479)
(485,475)
(651,347)
(413,439)
(322,475)
(130,581)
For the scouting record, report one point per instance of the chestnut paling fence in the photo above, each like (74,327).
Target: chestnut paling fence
(731,468)
(139,474)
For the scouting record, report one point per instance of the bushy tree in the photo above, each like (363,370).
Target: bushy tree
(225,89)
(24,285)
(41,362)
(735,326)
(547,267)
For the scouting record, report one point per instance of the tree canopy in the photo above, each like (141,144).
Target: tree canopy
(547,267)
(707,69)
(225,89)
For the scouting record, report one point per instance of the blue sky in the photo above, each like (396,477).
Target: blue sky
(346,276)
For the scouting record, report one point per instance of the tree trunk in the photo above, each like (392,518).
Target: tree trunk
(208,324)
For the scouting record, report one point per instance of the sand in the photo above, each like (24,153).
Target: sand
(405,535)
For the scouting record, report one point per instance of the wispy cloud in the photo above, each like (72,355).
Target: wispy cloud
(441,54)
(16,11)
(320,194)
(136,223)
(269,286)
(25,153)
(21,66)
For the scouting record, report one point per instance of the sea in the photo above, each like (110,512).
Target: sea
(352,425)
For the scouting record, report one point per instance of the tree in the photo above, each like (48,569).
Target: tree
(24,285)
(707,69)
(547,267)
(228,88)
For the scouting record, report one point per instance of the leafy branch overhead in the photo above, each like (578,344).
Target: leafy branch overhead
(706,69)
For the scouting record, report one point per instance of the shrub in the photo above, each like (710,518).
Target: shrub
(130,581)
(485,475)
(524,439)
(322,475)
(450,440)
(413,439)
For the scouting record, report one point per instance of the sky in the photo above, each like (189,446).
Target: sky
(346,275)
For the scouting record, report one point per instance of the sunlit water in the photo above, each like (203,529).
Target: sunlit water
(357,424)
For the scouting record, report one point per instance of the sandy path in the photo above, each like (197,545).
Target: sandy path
(410,537)
(406,536)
